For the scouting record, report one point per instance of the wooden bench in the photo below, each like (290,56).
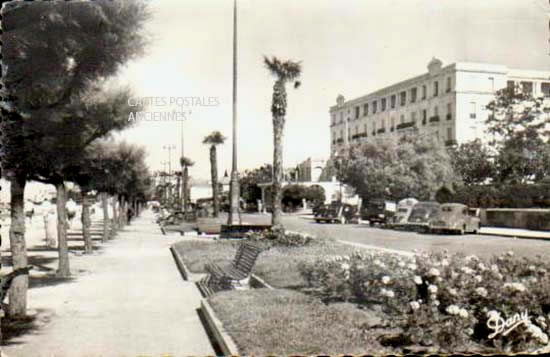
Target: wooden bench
(233,276)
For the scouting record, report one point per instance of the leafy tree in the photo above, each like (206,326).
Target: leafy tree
(293,195)
(284,72)
(394,169)
(316,194)
(519,125)
(215,138)
(250,191)
(56,53)
(472,162)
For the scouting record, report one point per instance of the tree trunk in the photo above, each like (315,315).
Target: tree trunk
(19,286)
(86,223)
(185,188)
(104,205)
(214,176)
(276,217)
(114,222)
(63,270)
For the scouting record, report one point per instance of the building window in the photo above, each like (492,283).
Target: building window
(374,107)
(413,117)
(365,109)
(473,110)
(383,104)
(342,134)
(424,116)
(448,84)
(402,119)
(436,111)
(357,109)
(545,89)
(392,101)
(349,133)
(527,87)
(357,129)
(449,133)
(413,95)
(403,99)
(449,111)
(424,91)
(436,88)
(392,122)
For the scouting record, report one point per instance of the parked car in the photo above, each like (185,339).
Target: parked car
(336,212)
(378,211)
(421,214)
(404,209)
(457,218)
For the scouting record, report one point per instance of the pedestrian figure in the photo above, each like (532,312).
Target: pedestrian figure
(50,229)
(130,214)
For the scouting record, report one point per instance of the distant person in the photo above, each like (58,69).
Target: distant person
(50,228)
(130,214)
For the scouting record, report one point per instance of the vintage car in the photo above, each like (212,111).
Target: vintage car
(421,215)
(404,209)
(336,212)
(378,211)
(457,218)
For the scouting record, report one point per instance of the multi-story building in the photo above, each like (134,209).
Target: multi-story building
(447,102)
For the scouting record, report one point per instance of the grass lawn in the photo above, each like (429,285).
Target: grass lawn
(278,266)
(286,322)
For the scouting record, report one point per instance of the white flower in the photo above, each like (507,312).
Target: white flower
(390,294)
(412,266)
(499,276)
(400,264)
(469,331)
(463,313)
(467,270)
(386,279)
(377,262)
(481,266)
(452,309)
(454,274)
(515,286)
(531,268)
(439,279)
(432,289)
(494,268)
(433,272)
(452,291)
(417,280)
(478,278)
(345,266)
(510,253)
(414,305)
(481,291)
(533,280)
(435,302)
(445,262)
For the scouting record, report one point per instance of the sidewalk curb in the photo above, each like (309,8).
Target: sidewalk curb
(222,338)
(518,236)
(185,273)
(386,250)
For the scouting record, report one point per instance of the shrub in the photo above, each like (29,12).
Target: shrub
(443,300)
(280,237)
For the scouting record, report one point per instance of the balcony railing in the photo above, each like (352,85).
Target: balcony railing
(405,125)
(339,141)
(434,119)
(381,131)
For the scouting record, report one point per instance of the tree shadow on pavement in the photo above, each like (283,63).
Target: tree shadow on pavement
(13,327)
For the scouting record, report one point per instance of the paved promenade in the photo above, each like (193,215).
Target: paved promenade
(127,300)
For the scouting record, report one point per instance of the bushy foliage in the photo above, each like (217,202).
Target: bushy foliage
(443,300)
(281,237)
(499,196)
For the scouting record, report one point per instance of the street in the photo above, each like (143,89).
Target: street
(481,245)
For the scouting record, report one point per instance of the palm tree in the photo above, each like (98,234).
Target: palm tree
(284,72)
(215,138)
(186,162)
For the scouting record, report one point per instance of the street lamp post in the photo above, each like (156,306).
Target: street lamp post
(234,184)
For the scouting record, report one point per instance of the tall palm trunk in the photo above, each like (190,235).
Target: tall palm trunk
(63,270)
(19,286)
(86,223)
(105,206)
(277,192)
(214,177)
(185,188)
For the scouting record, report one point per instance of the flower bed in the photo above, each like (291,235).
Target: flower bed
(450,303)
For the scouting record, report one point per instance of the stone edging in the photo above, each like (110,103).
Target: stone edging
(224,341)
(256,280)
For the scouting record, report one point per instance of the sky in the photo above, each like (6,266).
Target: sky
(349,47)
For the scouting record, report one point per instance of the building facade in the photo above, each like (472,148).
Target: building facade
(446,102)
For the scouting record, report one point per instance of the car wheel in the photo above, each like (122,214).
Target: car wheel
(476,230)
(461,230)
(318,220)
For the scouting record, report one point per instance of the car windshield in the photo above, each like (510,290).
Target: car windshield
(447,209)
(402,210)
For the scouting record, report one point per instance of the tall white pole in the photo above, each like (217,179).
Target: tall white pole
(234,185)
